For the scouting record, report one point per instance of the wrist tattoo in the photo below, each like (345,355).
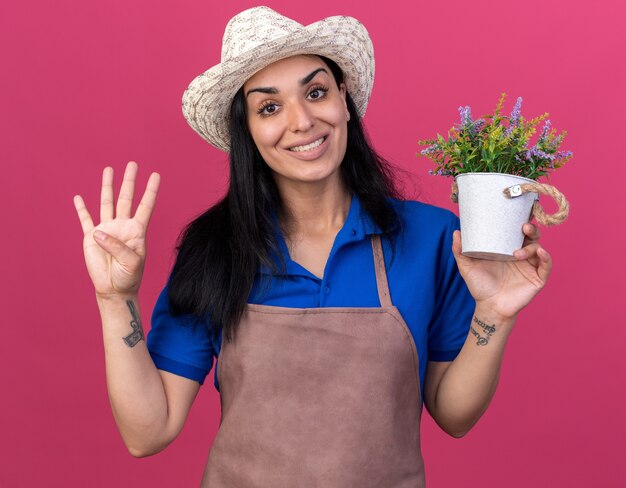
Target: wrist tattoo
(136,335)
(489,330)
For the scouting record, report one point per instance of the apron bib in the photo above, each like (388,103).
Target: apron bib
(319,397)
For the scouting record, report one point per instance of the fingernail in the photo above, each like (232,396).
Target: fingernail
(99,235)
(520,254)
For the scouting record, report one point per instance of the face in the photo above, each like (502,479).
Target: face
(297,117)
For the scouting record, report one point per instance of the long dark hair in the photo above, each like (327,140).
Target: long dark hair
(220,251)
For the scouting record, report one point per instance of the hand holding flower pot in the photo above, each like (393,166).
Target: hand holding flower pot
(504,288)
(495,172)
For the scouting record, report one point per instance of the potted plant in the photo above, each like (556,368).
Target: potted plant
(495,169)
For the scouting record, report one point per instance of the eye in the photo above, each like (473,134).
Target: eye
(318,92)
(268,108)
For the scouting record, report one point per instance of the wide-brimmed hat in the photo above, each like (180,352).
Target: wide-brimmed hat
(257,37)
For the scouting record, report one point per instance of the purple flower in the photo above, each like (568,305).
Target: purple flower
(478,124)
(515,116)
(534,152)
(466,116)
(545,130)
(440,172)
(517,112)
(430,150)
(563,154)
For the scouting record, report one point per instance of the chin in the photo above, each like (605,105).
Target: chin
(315,176)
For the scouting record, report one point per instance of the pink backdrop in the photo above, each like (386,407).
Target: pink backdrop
(90,84)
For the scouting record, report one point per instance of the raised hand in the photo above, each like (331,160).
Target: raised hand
(115,249)
(506,287)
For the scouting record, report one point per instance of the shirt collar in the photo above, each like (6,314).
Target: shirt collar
(366,224)
(358,225)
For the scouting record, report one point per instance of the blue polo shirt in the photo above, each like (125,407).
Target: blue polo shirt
(424,283)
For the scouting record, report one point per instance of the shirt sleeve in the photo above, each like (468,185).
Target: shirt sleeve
(454,306)
(182,344)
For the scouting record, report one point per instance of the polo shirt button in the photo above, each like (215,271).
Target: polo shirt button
(353,232)
(327,290)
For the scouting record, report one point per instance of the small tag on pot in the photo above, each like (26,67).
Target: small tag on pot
(515,191)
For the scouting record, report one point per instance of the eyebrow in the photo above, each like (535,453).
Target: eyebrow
(272,90)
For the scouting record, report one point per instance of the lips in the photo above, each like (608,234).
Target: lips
(309,144)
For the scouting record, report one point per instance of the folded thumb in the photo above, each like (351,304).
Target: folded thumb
(116,248)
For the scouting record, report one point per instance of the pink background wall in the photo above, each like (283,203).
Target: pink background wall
(90,84)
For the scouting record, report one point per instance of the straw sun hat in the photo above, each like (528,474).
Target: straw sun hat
(257,37)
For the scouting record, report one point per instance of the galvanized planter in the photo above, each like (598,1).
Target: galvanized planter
(491,223)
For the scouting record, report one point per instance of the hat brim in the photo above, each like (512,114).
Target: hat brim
(207,100)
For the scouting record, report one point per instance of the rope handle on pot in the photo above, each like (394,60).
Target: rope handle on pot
(538,212)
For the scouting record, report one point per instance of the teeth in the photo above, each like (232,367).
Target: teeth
(308,147)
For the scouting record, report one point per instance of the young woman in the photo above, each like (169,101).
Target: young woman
(334,308)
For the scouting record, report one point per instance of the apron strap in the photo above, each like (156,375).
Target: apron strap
(381,272)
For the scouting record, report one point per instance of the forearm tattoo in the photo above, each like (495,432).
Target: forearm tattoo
(489,330)
(136,335)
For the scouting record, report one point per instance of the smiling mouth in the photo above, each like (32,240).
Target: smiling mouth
(308,147)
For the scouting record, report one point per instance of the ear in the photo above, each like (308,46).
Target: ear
(342,92)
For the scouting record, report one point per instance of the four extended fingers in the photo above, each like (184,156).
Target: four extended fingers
(124,205)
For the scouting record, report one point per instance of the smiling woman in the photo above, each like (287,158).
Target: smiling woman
(334,308)
(299,124)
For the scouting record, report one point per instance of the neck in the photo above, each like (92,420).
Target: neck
(318,208)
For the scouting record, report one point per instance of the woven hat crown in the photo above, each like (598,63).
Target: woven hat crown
(253,28)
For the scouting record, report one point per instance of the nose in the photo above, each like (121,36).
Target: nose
(300,117)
